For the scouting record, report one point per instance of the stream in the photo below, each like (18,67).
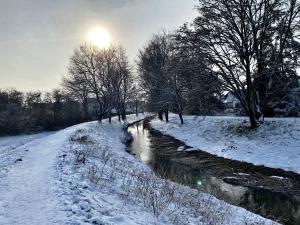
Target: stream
(271,193)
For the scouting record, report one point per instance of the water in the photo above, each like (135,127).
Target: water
(159,152)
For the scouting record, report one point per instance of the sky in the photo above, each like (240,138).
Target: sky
(38,37)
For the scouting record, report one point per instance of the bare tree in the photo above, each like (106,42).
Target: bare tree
(89,62)
(151,68)
(174,75)
(120,82)
(245,40)
(75,85)
(104,73)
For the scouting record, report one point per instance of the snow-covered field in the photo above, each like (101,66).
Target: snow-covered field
(83,175)
(276,143)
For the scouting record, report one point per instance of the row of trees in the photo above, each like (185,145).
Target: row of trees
(246,47)
(36,111)
(175,78)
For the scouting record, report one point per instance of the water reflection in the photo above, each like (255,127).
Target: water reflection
(141,144)
(161,157)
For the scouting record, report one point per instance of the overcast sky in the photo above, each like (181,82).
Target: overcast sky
(37,37)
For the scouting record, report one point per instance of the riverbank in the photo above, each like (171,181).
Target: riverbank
(275,144)
(125,191)
(83,175)
(272,193)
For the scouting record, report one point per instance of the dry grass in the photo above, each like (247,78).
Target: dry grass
(162,197)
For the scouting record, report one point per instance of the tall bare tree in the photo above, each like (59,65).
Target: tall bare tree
(246,42)
(104,73)
(151,68)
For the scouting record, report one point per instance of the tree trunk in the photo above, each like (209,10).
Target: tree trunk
(253,120)
(109,116)
(252,111)
(251,97)
(100,117)
(85,111)
(167,115)
(123,115)
(160,115)
(180,117)
(136,108)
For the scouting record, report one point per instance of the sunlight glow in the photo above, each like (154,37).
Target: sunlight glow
(199,184)
(99,37)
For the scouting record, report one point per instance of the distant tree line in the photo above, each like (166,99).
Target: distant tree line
(247,47)
(36,111)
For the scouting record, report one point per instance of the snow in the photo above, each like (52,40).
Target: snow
(83,175)
(279,178)
(242,174)
(27,192)
(276,143)
(11,151)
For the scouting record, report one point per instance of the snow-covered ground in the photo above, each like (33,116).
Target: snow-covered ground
(83,175)
(276,143)
(13,148)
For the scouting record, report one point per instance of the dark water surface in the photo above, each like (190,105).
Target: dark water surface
(230,181)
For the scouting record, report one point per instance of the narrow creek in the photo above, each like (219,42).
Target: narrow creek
(272,193)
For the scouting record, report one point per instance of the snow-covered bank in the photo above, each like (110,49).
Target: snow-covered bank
(276,143)
(83,175)
(102,184)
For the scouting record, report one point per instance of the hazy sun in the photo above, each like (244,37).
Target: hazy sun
(99,37)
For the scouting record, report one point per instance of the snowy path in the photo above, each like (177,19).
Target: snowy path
(27,192)
(13,148)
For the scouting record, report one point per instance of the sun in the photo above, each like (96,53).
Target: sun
(99,37)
